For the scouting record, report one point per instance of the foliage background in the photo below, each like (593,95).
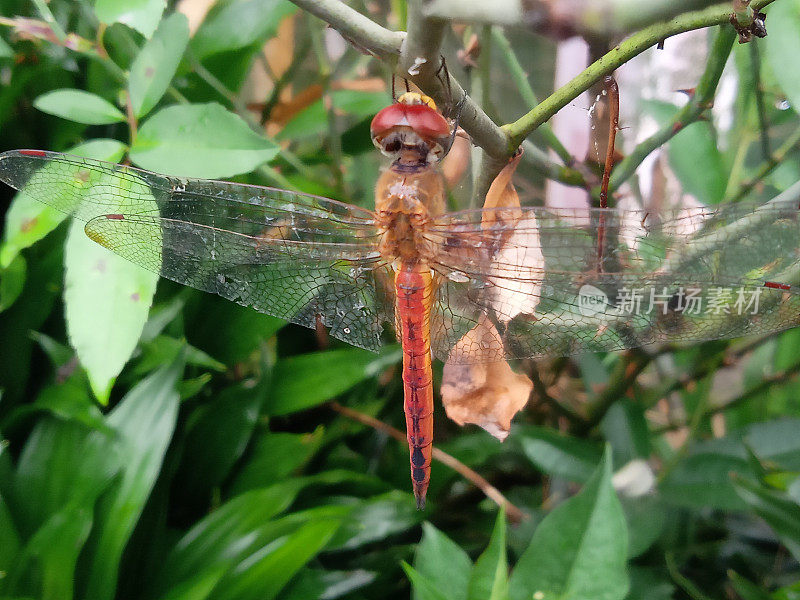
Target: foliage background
(189,451)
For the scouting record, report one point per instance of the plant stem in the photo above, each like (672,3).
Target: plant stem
(684,583)
(44,11)
(358,29)
(540,161)
(702,99)
(767,167)
(391,47)
(541,392)
(525,90)
(755,65)
(623,377)
(590,18)
(782,376)
(623,52)
(334,136)
(514,514)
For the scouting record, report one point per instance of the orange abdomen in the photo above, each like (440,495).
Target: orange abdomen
(414,288)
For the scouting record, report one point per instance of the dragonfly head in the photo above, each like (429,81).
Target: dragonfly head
(412,130)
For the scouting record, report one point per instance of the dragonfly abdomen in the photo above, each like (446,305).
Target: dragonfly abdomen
(414,288)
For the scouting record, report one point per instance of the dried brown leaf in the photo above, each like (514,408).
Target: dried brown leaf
(502,194)
(488,394)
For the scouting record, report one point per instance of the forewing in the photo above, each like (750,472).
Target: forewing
(303,258)
(551,287)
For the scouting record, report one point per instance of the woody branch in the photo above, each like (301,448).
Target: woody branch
(427,23)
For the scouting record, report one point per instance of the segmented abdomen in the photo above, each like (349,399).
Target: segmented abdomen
(414,288)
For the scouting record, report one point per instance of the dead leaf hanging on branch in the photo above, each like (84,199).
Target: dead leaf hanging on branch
(488,393)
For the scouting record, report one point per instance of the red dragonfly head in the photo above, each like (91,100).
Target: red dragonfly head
(412,130)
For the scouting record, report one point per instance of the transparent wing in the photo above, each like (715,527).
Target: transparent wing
(568,281)
(299,257)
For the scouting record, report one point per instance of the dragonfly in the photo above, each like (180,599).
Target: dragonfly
(532,281)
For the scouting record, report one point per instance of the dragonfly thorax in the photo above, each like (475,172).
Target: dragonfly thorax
(405,203)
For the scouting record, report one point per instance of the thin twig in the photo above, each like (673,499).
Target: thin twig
(683,582)
(589,18)
(612,90)
(782,376)
(334,135)
(767,167)
(390,46)
(622,53)
(44,11)
(541,162)
(360,30)
(514,513)
(623,377)
(541,392)
(702,99)
(755,67)
(520,78)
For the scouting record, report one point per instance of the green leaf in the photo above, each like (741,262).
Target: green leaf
(217,438)
(141,15)
(253,328)
(780,513)
(239,23)
(645,518)
(70,401)
(579,550)
(443,565)
(60,466)
(776,441)
(28,220)
(782,43)
(143,424)
(316,583)
(648,583)
(694,156)
(199,140)
(226,535)
(558,455)
(79,106)
(746,589)
(273,457)
(625,428)
(702,478)
(10,541)
(6,51)
(236,532)
(156,63)
(300,382)
(107,298)
(12,279)
(489,580)
(375,519)
(697,162)
(266,571)
(424,588)
(313,120)
(53,552)
(198,588)
(163,349)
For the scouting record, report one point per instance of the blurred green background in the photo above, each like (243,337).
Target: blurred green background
(190,450)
